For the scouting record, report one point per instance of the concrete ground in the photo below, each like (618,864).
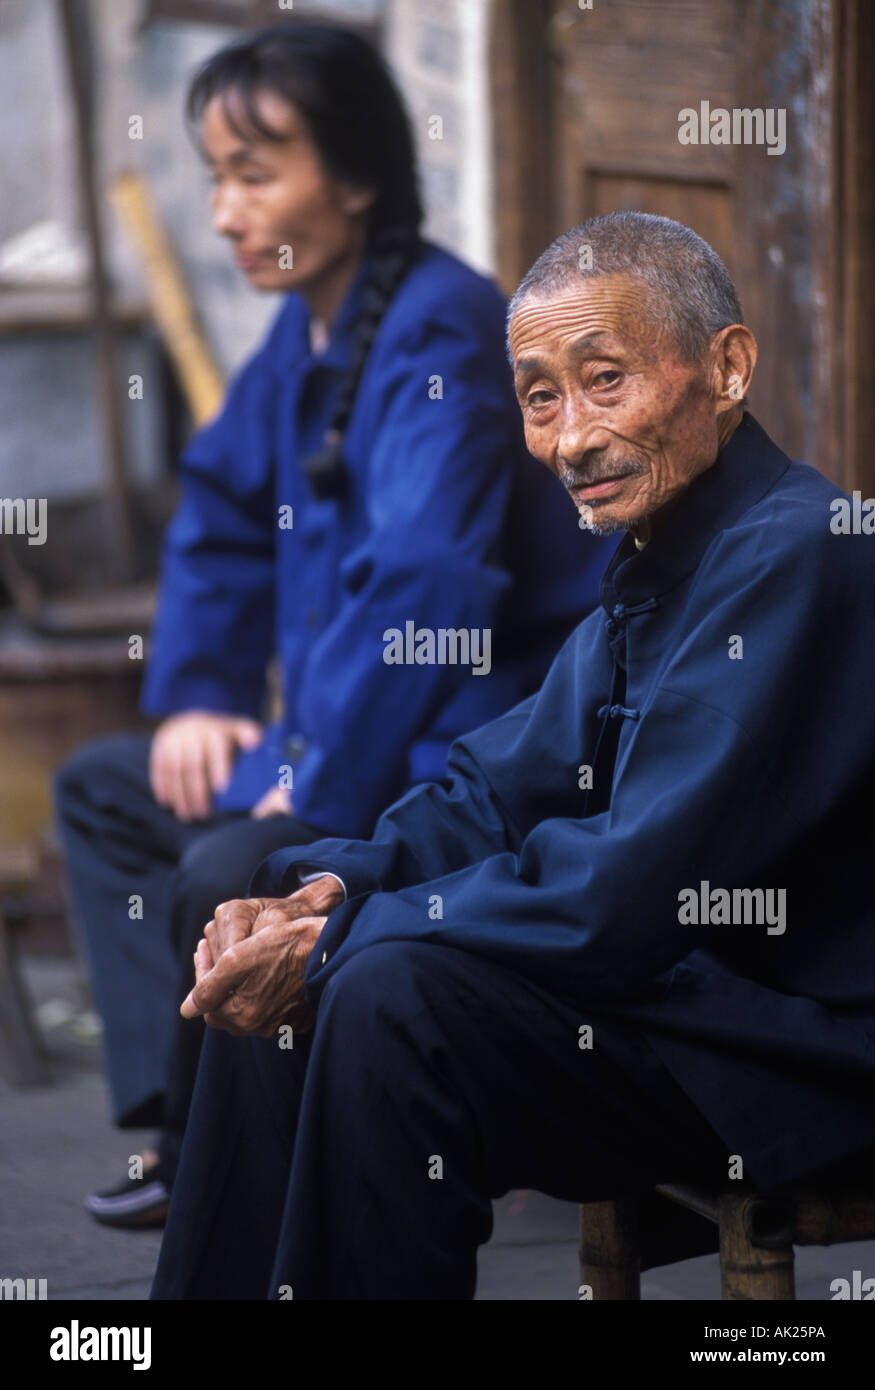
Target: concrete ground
(56,1144)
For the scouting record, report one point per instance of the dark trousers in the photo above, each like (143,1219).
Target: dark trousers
(361,1163)
(143,886)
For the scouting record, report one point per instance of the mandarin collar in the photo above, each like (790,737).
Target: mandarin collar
(341,338)
(338,353)
(747,466)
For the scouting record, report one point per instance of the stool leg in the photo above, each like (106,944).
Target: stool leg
(610,1260)
(748,1271)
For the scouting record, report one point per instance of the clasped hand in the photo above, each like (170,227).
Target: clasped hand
(250,962)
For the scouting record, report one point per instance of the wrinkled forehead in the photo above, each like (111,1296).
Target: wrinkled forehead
(583,316)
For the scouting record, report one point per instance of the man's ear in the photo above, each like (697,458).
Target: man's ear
(733,359)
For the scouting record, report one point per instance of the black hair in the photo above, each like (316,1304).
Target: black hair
(357,120)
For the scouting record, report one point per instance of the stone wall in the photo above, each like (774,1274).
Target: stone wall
(438,51)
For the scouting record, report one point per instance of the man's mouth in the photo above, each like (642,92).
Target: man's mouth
(600,488)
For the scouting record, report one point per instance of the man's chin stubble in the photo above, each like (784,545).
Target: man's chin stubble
(589,520)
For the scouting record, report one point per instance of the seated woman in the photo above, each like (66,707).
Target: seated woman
(363,510)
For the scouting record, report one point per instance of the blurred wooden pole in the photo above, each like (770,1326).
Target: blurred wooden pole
(174,314)
(78,50)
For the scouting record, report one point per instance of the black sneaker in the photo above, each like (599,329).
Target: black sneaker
(136,1204)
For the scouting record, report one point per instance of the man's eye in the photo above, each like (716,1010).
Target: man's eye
(539,397)
(602,376)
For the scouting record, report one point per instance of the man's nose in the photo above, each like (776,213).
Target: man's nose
(580,432)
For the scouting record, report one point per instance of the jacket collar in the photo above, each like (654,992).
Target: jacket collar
(339,350)
(338,353)
(746,468)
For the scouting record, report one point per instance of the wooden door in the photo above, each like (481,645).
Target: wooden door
(588,107)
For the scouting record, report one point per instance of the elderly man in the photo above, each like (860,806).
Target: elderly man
(629,939)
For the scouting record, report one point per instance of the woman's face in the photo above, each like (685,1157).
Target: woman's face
(292,226)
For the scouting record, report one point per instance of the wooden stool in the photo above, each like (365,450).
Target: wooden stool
(757,1235)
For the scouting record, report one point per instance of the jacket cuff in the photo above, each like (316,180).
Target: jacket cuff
(321,873)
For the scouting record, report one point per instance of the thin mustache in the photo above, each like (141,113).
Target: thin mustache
(573,480)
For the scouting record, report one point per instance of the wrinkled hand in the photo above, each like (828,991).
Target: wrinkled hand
(191,758)
(250,963)
(258,984)
(240,918)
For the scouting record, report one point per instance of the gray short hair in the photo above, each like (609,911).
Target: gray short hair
(691,292)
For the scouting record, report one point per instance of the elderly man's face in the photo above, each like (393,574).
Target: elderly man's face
(608,404)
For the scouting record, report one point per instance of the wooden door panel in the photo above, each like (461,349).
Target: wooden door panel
(707,207)
(624,70)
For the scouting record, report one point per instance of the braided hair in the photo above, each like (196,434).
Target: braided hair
(356,118)
(394,251)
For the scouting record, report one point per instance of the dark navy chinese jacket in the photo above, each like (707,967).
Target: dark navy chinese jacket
(447,522)
(753,771)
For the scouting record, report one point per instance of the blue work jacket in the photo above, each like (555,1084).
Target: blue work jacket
(447,523)
(744,635)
